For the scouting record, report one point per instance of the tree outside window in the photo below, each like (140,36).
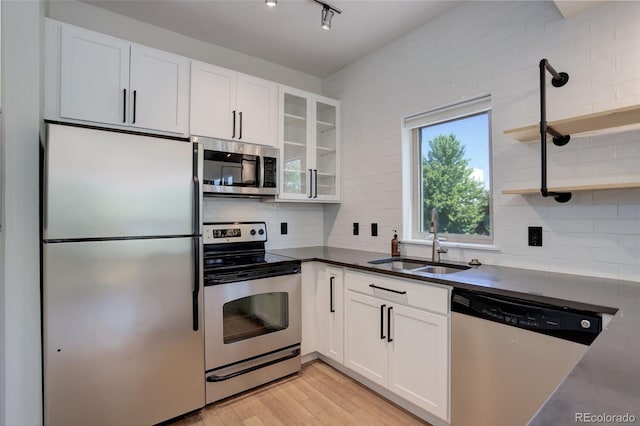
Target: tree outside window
(456,176)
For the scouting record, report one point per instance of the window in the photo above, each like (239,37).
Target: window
(451,171)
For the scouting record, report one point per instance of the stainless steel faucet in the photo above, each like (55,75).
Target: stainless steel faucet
(436,249)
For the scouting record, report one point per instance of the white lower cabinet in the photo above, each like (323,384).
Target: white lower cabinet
(330,313)
(419,358)
(309,322)
(400,347)
(365,337)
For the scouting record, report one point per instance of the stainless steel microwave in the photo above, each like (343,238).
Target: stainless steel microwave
(238,168)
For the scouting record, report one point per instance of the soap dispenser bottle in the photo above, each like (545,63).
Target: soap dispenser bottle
(395,248)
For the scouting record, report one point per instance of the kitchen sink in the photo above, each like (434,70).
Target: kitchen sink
(400,263)
(417,265)
(436,269)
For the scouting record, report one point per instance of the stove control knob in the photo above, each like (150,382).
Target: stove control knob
(261,231)
(253,232)
(585,323)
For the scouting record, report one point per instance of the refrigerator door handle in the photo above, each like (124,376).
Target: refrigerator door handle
(196,283)
(196,239)
(196,191)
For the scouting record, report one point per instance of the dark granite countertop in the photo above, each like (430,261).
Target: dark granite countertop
(606,381)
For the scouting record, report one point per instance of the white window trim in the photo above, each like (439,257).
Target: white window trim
(411,173)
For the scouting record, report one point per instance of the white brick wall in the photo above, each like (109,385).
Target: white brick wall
(495,47)
(304,221)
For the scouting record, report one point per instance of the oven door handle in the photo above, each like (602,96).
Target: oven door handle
(214,378)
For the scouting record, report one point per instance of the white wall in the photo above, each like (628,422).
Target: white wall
(20,371)
(304,221)
(495,47)
(106,22)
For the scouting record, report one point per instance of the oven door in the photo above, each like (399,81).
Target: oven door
(250,318)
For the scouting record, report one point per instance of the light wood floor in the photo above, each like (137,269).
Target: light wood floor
(318,395)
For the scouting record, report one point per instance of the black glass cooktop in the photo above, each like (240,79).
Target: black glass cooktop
(239,260)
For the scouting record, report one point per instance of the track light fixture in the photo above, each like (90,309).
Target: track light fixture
(327,14)
(271,3)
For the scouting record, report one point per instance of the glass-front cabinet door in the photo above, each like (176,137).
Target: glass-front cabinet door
(295,121)
(309,147)
(326,170)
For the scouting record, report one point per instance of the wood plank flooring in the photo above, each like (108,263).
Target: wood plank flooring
(318,395)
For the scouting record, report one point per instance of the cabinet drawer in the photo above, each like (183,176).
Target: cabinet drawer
(420,295)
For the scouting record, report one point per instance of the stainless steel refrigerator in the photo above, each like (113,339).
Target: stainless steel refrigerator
(121,278)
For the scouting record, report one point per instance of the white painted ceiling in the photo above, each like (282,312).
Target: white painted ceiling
(288,34)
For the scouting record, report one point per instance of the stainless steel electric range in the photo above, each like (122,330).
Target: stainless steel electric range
(252,310)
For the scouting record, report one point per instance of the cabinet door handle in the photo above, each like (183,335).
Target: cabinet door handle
(240,115)
(233,136)
(315,174)
(135,96)
(331,283)
(310,183)
(382,336)
(124,107)
(387,289)
(389,339)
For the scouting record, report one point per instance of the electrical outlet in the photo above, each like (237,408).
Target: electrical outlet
(535,236)
(283,228)
(356,228)
(374,229)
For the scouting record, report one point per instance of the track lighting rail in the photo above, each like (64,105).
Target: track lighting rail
(558,80)
(328,6)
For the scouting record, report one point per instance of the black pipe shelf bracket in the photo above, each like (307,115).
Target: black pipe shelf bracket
(558,80)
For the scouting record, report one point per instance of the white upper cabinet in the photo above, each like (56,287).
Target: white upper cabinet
(94,71)
(213,97)
(309,134)
(102,79)
(159,90)
(258,106)
(229,105)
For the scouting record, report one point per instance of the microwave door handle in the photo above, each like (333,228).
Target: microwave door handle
(259,168)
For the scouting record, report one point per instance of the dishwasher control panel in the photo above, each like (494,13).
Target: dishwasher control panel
(568,324)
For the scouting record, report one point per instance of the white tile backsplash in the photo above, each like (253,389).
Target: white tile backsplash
(304,221)
(498,53)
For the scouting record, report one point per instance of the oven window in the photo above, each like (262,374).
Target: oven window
(254,316)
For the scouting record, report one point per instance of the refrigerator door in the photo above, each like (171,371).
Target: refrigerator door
(119,340)
(103,184)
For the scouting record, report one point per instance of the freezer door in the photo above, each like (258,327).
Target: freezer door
(119,340)
(102,184)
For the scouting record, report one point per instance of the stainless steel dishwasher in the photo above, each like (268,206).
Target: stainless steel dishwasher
(508,355)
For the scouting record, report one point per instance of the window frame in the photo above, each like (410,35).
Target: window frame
(445,114)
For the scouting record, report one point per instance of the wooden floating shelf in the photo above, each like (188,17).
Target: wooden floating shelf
(576,188)
(581,124)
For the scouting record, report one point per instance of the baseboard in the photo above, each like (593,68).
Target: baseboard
(309,357)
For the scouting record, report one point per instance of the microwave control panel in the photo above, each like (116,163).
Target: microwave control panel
(270,172)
